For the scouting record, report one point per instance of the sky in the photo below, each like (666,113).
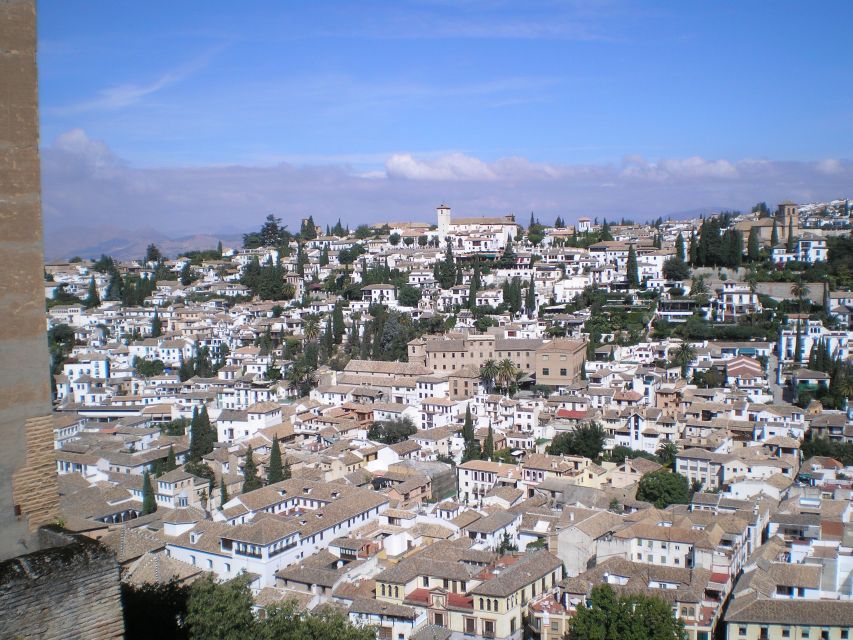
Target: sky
(206,116)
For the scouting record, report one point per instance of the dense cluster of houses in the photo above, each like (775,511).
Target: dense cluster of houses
(412,535)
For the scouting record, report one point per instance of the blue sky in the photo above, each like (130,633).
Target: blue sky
(379,95)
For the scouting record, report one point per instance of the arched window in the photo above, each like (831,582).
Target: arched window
(488,604)
(481,604)
(396,592)
(383,589)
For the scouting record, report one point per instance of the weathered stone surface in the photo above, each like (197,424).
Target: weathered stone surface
(67,591)
(25,404)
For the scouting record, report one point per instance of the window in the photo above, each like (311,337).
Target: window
(426,581)
(824,634)
(563,372)
(805,633)
(546,371)
(741,631)
(470,626)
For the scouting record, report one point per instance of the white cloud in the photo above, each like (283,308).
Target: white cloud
(453,166)
(830,166)
(86,186)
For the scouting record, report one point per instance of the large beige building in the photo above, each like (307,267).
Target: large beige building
(445,354)
(559,362)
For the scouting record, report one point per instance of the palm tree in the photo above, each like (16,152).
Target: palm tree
(699,287)
(489,373)
(684,355)
(667,452)
(800,290)
(506,376)
(311,327)
(752,280)
(301,377)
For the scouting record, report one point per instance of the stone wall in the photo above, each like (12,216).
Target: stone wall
(25,402)
(68,592)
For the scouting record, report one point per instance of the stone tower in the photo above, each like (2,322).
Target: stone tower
(787,217)
(29,494)
(442,214)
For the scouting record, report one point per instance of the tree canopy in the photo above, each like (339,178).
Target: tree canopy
(587,441)
(663,488)
(630,617)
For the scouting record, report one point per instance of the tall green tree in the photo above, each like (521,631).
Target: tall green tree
(489,445)
(338,327)
(530,297)
(680,251)
(774,235)
(171,463)
(275,472)
(202,435)
(156,325)
(468,426)
(149,503)
(251,481)
(92,297)
(223,492)
(632,272)
(753,245)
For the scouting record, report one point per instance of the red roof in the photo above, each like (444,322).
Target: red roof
(571,415)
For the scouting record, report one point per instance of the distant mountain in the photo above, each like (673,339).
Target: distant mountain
(124,244)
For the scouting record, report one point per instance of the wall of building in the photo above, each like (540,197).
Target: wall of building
(25,402)
(61,592)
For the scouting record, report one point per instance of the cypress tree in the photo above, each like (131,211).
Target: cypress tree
(92,298)
(753,246)
(149,504)
(468,426)
(530,298)
(338,323)
(156,325)
(694,249)
(287,472)
(774,235)
(251,481)
(489,445)
(195,438)
(679,247)
(633,275)
(274,471)
(171,463)
(473,288)
(791,239)
(223,492)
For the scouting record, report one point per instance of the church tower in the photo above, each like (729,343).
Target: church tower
(442,214)
(787,218)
